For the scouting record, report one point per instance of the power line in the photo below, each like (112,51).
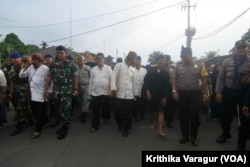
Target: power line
(120,22)
(221,28)
(82,19)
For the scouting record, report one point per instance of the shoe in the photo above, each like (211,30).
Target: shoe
(16,132)
(222,138)
(92,130)
(169,125)
(107,122)
(84,117)
(240,148)
(35,135)
(63,132)
(120,128)
(54,124)
(62,135)
(194,141)
(125,133)
(184,140)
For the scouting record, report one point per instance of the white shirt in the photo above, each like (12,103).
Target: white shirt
(2,79)
(123,80)
(139,78)
(100,80)
(36,79)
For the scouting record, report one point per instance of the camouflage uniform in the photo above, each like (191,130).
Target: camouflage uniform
(62,75)
(21,97)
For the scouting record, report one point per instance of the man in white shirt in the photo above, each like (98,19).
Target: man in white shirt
(36,73)
(122,87)
(99,89)
(139,104)
(3,85)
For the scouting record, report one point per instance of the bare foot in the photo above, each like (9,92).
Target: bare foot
(152,126)
(161,133)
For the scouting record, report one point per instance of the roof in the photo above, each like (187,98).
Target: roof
(217,59)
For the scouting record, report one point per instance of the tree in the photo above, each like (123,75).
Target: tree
(32,48)
(14,43)
(246,36)
(44,45)
(210,55)
(152,57)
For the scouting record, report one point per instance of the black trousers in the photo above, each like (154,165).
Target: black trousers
(123,113)
(170,110)
(38,109)
(189,107)
(100,104)
(232,103)
(139,108)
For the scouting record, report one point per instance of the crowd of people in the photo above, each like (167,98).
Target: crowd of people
(46,92)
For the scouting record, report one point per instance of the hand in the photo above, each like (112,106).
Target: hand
(113,93)
(45,94)
(164,101)
(205,99)
(75,92)
(10,96)
(218,97)
(176,96)
(148,96)
(245,110)
(245,80)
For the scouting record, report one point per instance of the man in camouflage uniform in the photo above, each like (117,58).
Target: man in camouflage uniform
(65,82)
(19,93)
(187,92)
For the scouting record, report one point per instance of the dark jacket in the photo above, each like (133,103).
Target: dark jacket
(157,83)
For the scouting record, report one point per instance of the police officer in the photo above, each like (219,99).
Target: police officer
(65,82)
(230,90)
(187,92)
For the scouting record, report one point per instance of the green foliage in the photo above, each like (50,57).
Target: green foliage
(152,57)
(14,43)
(246,36)
(44,45)
(32,48)
(210,54)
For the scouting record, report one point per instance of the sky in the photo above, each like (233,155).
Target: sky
(115,27)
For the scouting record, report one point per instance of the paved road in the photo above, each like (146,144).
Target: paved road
(105,148)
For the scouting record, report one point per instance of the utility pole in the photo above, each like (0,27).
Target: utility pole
(70,27)
(190,31)
(1,52)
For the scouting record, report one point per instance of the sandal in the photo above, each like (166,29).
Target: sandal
(35,135)
(92,130)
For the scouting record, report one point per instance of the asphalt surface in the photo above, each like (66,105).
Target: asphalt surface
(104,148)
